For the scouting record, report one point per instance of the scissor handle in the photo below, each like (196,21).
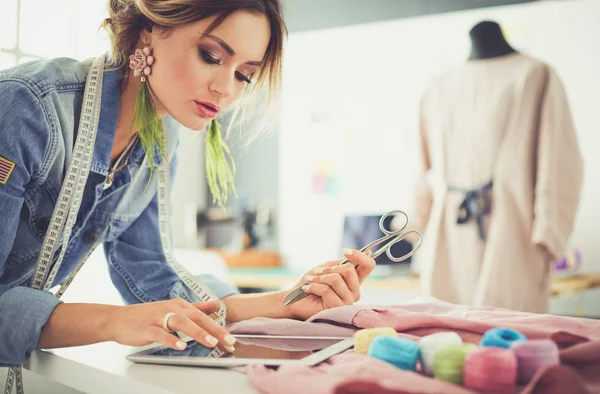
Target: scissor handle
(394,235)
(389,231)
(298,294)
(388,250)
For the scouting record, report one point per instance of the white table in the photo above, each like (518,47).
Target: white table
(102,368)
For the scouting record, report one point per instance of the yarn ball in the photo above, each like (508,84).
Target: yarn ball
(448,362)
(430,343)
(490,369)
(364,337)
(534,355)
(400,352)
(501,337)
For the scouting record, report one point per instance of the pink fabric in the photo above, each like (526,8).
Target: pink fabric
(348,373)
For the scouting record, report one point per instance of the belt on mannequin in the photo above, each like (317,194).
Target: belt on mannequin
(476,204)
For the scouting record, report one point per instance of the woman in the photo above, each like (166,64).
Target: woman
(194,59)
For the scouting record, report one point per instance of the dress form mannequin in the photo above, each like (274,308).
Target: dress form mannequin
(472,120)
(487,41)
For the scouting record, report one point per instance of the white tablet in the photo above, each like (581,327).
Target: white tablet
(249,349)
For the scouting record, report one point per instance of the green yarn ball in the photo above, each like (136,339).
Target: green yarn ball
(448,362)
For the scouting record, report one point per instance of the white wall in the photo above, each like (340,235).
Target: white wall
(349,109)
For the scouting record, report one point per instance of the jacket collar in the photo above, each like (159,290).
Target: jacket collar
(109,113)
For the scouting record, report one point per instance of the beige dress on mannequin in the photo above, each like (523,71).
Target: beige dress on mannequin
(505,120)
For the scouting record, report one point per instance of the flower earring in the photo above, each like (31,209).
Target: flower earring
(149,126)
(140,62)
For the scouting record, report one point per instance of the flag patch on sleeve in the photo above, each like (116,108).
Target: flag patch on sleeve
(6,167)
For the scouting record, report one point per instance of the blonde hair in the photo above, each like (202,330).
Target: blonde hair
(128,17)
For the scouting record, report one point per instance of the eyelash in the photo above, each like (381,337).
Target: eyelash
(209,58)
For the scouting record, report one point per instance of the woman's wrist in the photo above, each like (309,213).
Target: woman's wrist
(108,322)
(78,324)
(247,306)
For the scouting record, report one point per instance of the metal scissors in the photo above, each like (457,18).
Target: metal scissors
(394,236)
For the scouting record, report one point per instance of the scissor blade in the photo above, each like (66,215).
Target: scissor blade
(295,295)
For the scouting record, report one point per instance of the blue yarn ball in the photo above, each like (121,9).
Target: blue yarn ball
(501,337)
(400,352)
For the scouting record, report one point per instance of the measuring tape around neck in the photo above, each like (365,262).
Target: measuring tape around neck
(67,206)
(69,199)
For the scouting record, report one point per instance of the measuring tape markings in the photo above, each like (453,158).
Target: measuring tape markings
(71,191)
(203,292)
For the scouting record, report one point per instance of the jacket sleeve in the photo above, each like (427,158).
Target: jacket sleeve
(422,195)
(24,141)
(137,264)
(559,172)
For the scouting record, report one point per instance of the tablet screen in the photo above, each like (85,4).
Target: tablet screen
(256,347)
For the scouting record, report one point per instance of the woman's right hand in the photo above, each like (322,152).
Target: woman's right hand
(141,324)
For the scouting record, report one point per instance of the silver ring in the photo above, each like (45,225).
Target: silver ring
(165,321)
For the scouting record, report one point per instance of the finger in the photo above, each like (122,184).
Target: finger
(319,269)
(207,307)
(180,322)
(223,337)
(329,297)
(337,283)
(157,334)
(365,263)
(348,272)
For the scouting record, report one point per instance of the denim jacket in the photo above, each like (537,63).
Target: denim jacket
(40,104)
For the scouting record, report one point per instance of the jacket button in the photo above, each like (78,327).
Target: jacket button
(89,237)
(42,224)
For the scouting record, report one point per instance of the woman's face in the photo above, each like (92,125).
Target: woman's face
(195,79)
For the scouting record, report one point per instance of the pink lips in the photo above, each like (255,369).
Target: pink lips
(207,109)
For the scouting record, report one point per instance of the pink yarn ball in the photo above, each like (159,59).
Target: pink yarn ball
(490,369)
(533,355)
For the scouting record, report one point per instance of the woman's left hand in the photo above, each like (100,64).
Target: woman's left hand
(331,285)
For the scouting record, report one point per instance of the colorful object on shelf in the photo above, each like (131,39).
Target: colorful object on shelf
(534,355)
(400,352)
(364,337)
(570,262)
(501,337)
(448,362)
(430,343)
(327,181)
(490,369)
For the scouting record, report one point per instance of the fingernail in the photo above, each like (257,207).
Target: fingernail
(230,339)
(230,349)
(211,340)
(348,252)
(308,278)
(305,287)
(181,345)
(318,270)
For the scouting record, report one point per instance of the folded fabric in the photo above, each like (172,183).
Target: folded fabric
(424,317)
(578,339)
